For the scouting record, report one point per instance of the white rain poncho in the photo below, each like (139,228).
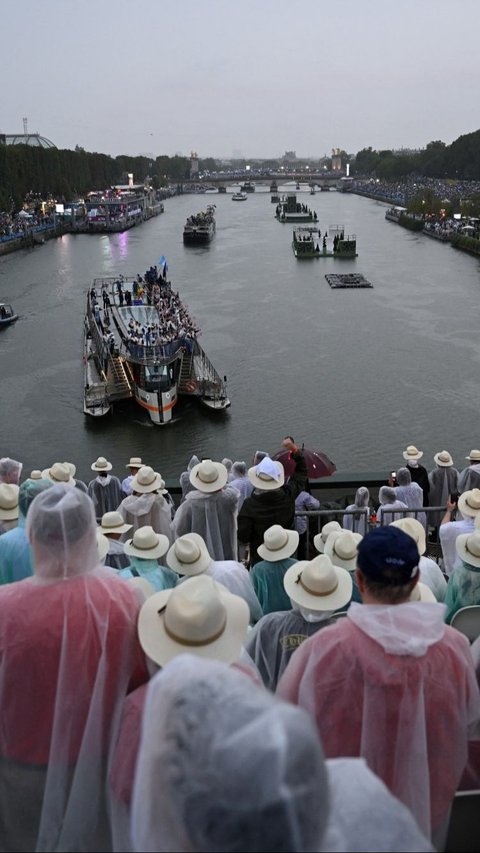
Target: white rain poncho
(69,654)
(116,557)
(185,484)
(225,766)
(388,502)
(469,478)
(448,533)
(432,576)
(241,482)
(158,576)
(358,523)
(463,589)
(395,685)
(10,470)
(151,510)
(15,550)
(106,494)
(214,517)
(237,579)
(443,483)
(410,493)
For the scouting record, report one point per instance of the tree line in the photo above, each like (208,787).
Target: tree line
(458,161)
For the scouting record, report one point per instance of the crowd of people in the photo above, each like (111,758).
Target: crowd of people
(21,223)
(204,674)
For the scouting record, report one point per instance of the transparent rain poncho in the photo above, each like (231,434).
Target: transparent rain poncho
(15,550)
(106,494)
(448,533)
(149,509)
(185,483)
(214,517)
(389,502)
(160,577)
(358,523)
(69,654)
(463,589)
(410,493)
(10,470)
(443,483)
(225,766)
(241,482)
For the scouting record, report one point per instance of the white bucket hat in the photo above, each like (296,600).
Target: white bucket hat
(146,544)
(135,462)
(469,503)
(443,459)
(474,456)
(59,473)
(112,522)
(199,616)
(278,543)
(318,584)
(342,548)
(320,539)
(468,548)
(8,501)
(147,480)
(102,545)
(413,528)
(189,555)
(412,453)
(267,475)
(421,592)
(101,464)
(208,476)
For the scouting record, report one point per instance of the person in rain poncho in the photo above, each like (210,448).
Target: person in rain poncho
(79,484)
(388,502)
(275,558)
(469,507)
(463,587)
(303,503)
(210,510)
(15,550)
(358,523)
(430,572)
(113,527)
(185,484)
(69,654)
(133,467)
(189,556)
(200,617)
(342,548)
(106,489)
(410,493)
(226,766)
(148,506)
(144,550)
(320,539)
(241,482)
(228,465)
(10,470)
(392,683)
(315,589)
(9,510)
(418,473)
(469,478)
(443,483)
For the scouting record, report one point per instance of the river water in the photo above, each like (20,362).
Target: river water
(358,374)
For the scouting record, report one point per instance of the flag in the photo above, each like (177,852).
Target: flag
(163,263)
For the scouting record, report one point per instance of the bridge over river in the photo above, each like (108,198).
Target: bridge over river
(310,179)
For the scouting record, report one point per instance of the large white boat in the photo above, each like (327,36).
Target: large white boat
(141,342)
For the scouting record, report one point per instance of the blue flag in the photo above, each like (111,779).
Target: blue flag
(163,262)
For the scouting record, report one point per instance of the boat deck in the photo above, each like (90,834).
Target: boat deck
(348,280)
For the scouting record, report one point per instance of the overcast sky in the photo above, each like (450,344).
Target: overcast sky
(251,78)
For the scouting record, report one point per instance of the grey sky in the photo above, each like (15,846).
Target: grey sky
(250,78)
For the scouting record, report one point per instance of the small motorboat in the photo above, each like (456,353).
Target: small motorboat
(7,315)
(239,196)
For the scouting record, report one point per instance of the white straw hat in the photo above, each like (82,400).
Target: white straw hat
(101,464)
(318,584)
(146,544)
(102,545)
(189,555)
(135,462)
(342,548)
(72,468)
(36,474)
(112,522)
(59,472)
(469,503)
(443,459)
(267,475)
(413,528)
(320,539)
(8,501)
(412,453)
(278,543)
(199,616)
(208,476)
(474,456)
(421,592)
(468,548)
(147,480)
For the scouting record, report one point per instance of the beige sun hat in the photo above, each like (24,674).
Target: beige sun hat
(112,522)
(278,543)
(189,555)
(72,467)
(320,539)
(412,453)
(469,503)
(318,584)
(102,545)
(199,616)
(267,475)
(413,528)
(468,548)
(342,548)
(135,462)
(147,480)
(443,459)
(59,472)
(36,474)
(208,476)
(146,544)
(8,501)
(474,456)
(421,592)
(101,464)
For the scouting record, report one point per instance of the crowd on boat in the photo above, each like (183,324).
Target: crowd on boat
(207,675)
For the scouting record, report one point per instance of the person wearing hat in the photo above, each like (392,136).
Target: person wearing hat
(113,527)
(189,557)
(133,467)
(144,551)
(185,484)
(443,483)
(59,472)
(392,683)
(69,654)
(418,473)
(320,539)
(15,550)
(148,505)
(315,590)
(468,505)
(463,589)
(79,484)
(469,478)
(106,489)
(9,511)
(431,574)
(342,548)
(210,510)
(272,501)
(276,556)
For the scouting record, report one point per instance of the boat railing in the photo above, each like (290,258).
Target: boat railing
(209,381)
(158,354)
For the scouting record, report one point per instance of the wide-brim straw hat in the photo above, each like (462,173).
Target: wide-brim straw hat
(199,617)
(468,548)
(278,543)
(267,475)
(469,503)
(342,548)
(147,480)
(318,584)
(101,464)
(135,462)
(36,474)
(72,467)
(189,555)
(112,522)
(102,545)
(59,472)
(320,539)
(443,459)
(208,476)
(9,501)
(413,528)
(146,544)
(474,456)
(421,592)
(412,453)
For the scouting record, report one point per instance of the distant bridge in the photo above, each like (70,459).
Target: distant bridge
(319,179)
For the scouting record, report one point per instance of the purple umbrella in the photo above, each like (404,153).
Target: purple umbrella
(318,464)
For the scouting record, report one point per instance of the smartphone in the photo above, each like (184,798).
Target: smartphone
(393,475)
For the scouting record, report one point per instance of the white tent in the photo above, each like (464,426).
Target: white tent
(24,214)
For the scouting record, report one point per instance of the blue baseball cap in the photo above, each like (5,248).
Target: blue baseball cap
(388,555)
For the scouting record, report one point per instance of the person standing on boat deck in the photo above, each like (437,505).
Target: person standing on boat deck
(149,504)
(106,489)
(469,478)
(113,528)
(443,483)
(119,291)
(417,472)
(134,467)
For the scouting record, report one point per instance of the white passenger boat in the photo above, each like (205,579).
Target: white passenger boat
(241,196)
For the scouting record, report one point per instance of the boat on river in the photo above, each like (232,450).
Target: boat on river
(7,315)
(306,242)
(143,344)
(200,228)
(290,210)
(239,196)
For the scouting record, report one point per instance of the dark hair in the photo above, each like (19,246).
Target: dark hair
(290,437)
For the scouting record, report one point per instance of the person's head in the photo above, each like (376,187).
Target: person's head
(146,544)
(209,476)
(239,469)
(147,481)
(259,455)
(386,495)
(101,466)
(10,470)
(113,526)
(194,460)
(9,509)
(443,459)
(29,491)
(268,475)
(320,539)
(228,464)
(387,566)
(226,766)
(474,457)
(404,478)
(134,465)
(362,497)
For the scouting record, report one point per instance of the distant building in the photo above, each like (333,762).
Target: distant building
(336,160)
(194,164)
(289,156)
(33,139)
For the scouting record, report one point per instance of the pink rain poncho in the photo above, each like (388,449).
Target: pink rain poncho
(69,655)
(394,685)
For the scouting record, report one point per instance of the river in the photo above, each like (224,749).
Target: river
(358,374)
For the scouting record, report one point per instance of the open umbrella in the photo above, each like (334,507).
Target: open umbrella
(318,463)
